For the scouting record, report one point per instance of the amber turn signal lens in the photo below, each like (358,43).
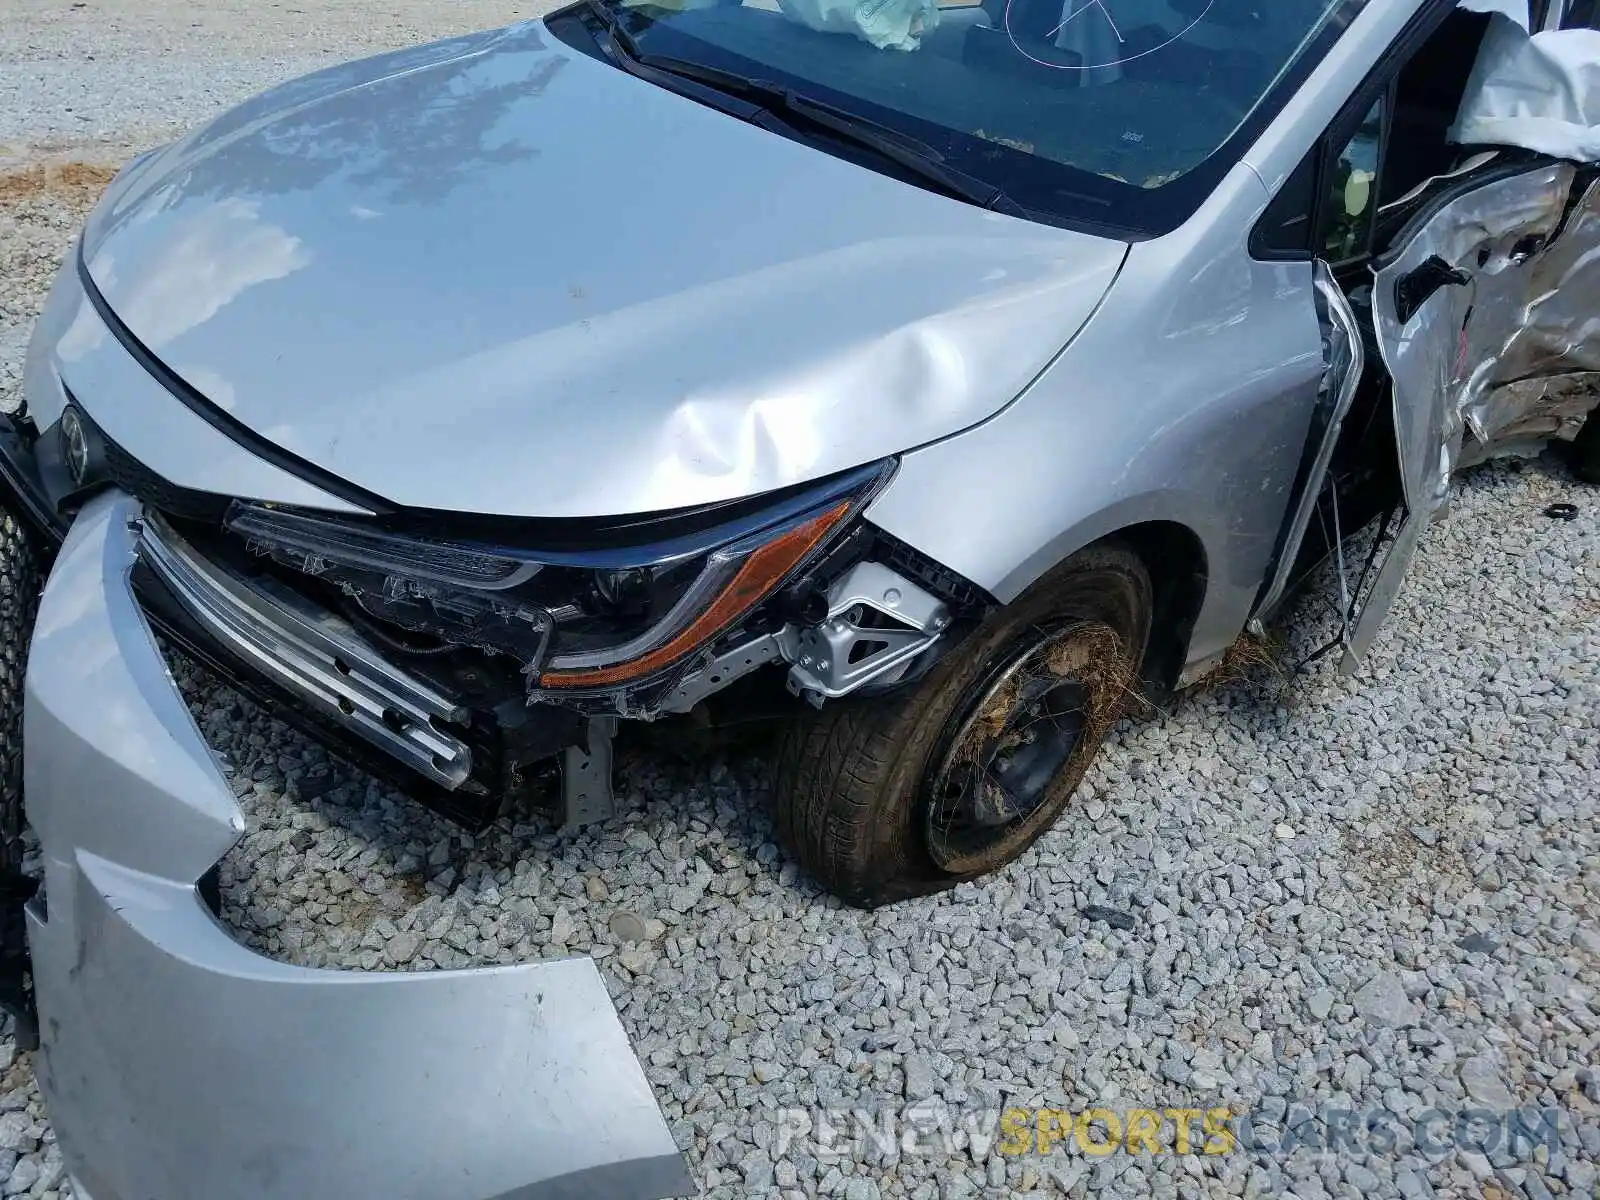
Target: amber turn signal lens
(762,571)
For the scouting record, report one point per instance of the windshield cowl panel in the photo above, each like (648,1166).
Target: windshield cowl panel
(1116,116)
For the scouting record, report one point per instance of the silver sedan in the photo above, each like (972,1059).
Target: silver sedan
(928,380)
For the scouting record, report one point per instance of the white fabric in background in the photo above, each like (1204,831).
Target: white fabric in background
(1539,91)
(886,24)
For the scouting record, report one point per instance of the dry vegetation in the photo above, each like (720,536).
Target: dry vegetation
(76,183)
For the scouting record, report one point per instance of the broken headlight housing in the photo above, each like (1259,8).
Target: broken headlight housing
(648,594)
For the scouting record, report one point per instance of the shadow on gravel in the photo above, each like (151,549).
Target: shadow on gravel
(316,824)
(1264,680)
(693,813)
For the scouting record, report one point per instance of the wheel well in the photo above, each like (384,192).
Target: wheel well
(1176,560)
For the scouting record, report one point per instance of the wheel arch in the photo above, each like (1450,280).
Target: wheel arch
(1175,557)
(1201,594)
(1181,568)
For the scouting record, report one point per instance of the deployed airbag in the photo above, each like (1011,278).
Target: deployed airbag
(1539,91)
(886,24)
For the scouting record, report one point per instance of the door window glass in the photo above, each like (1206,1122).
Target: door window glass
(1351,198)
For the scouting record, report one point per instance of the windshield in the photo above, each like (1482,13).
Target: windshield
(1096,110)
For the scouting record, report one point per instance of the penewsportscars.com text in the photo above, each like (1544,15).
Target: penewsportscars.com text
(933,1128)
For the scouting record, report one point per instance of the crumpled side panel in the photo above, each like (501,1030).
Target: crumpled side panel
(1527,413)
(1546,379)
(1472,273)
(1446,358)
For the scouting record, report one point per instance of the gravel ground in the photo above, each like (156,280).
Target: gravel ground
(1380,893)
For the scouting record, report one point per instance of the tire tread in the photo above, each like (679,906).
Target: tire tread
(837,772)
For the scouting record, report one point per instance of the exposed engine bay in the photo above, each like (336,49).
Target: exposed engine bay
(480,665)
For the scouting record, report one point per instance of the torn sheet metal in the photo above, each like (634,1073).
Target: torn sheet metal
(1546,378)
(1526,414)
(1540,91)
(1447,306)
(1444,355)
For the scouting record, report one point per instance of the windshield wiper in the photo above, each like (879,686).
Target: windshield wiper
(625,45)
(910,154)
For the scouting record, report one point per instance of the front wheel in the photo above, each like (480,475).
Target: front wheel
(897,796)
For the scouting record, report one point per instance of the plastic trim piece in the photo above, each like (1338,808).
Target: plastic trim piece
(309,651)
(176,1062)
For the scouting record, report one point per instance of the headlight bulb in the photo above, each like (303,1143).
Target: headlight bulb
(624,591)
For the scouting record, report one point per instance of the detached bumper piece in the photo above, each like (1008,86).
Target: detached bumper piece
(178,1064)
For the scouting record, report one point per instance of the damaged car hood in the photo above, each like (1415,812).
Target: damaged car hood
(497,275)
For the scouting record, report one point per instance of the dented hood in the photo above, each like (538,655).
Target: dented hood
(496,275)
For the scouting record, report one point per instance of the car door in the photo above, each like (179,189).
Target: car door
(1453,299)
(1473,275)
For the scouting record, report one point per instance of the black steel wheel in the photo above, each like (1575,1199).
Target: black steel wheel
(897,795)
(1010,749)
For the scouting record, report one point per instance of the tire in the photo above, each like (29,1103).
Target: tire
(19,600)
(860,788)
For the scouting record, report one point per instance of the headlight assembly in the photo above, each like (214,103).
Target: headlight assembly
(576,620)
(729,584)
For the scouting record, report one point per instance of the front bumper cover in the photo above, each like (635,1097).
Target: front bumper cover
(176,1063)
